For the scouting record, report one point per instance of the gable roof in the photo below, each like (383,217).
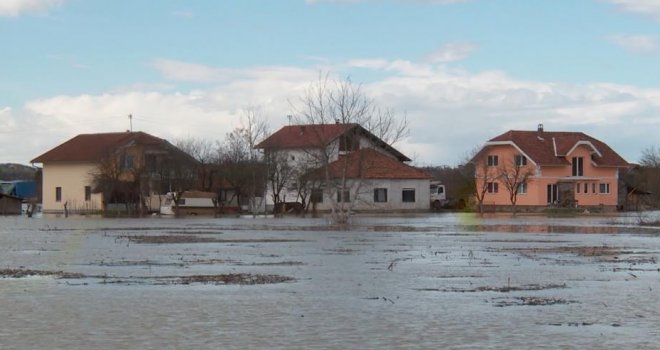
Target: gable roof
(93,147)
(320,135)
(553,148)
(303,136)
(368,163)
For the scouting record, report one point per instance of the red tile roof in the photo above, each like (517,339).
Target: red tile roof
(368,163)
(551,148)
(93,147)
(302,136)
(318,136)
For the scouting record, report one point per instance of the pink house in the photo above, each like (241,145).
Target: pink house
(540,169)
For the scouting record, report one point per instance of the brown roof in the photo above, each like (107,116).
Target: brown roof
(551,148)
(368,163)
(93,147)
(301,136)
(319,135)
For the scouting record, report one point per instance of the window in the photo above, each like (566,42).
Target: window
(604,188)
(316,196)
(127,162)
(349,142)
(343,196)
(553,193)
(577,166)
(577,187)
(58,194)
(182,201)
(593,188)
(88,193)
(380,195)
(408,195)
(150,162)
(520,160)
(586,188)
(492,187)
(522,188)
(492,160)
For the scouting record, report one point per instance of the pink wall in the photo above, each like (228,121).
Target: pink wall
(537,184)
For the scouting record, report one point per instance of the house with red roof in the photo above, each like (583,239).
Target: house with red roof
(332,164)
(565,169)
(72,169)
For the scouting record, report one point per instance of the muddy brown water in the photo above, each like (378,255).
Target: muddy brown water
(432,281)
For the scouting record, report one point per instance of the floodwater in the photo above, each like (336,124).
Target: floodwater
(451,281)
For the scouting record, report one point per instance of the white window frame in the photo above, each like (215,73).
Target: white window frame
(492,187)
(376,197)
(492,160)
(520,160)
(605,186)
(577,166)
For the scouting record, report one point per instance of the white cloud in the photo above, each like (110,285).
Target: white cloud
(450,111)
(644,7)
(194,72)
(451,52)
(13,8)
(210,113)
(396,66)
(638,44)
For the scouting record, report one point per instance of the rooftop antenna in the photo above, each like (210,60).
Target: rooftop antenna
(290,117)
(130,121)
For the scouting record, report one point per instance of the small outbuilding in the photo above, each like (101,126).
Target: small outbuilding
(10,205)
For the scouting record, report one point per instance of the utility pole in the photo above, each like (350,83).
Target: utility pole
(130,121)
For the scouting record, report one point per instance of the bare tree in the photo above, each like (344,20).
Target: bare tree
(244,166)
(329,101)
(204,151)
(514,177)
(280,173)
(650,157)
(646,177)
(485,176)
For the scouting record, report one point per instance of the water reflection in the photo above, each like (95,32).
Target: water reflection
(440,281)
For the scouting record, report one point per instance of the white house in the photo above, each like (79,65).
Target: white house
(305,157)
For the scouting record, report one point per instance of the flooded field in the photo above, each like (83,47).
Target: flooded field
(436,281)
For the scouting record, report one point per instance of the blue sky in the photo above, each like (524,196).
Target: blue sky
(462,71)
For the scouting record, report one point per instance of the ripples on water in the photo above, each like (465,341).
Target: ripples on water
(442,281)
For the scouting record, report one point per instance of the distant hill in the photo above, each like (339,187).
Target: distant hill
(12,171)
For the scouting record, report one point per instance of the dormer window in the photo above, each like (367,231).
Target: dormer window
(520,160)
(578,169)
(492,160)
(348,143)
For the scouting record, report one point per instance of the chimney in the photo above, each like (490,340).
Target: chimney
(540,128)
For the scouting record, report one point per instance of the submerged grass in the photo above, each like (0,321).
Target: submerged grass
(165,239)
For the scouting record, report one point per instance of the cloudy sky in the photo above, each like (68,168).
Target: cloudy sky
(463,71)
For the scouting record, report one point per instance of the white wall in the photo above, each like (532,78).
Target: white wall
(365,199)
(72,178)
